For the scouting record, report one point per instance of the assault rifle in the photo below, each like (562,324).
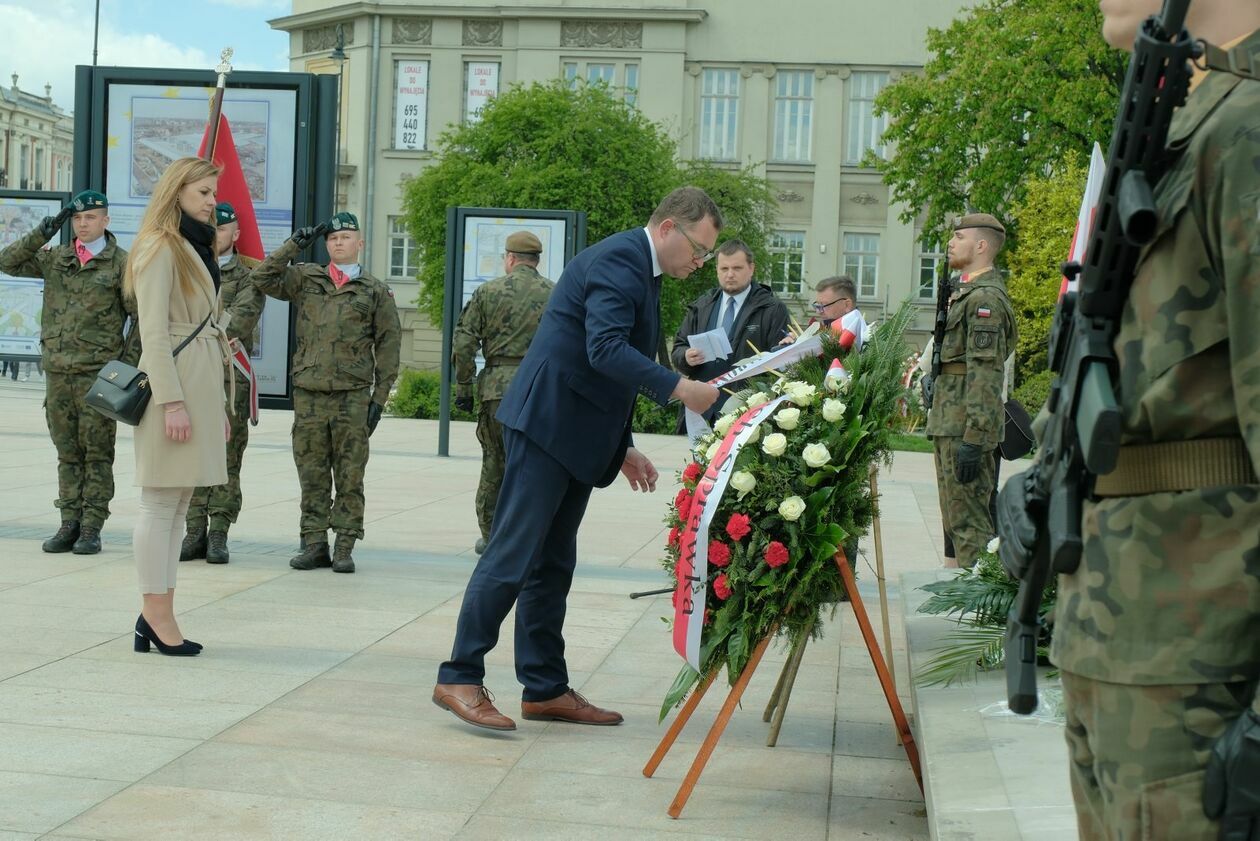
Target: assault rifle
(943,290)
(1042,536)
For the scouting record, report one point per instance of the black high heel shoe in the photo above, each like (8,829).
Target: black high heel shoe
(145,637)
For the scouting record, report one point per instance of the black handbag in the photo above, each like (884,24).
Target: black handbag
(1017,438)
(121,392)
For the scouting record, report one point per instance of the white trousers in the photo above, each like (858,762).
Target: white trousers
(157,536)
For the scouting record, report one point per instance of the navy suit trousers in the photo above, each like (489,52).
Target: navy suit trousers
(528,561)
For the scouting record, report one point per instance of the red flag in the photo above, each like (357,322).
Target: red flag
(233,188)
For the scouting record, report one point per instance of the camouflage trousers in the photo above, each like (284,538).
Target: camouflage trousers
(964,507)
(218,506)
(1137,755)
(84,439)
(330,446)
(493,458)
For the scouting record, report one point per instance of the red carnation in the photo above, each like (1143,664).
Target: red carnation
(674,534)
(692,473)
(683,503)
(719,553)
(776,554)
(721,588)
(738,526)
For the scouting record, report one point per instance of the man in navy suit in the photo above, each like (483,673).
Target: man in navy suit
(566,429)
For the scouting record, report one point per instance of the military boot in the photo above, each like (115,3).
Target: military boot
(314,554)
(342,562)
(216,549)
(194,546)
(89,542)
(65,537)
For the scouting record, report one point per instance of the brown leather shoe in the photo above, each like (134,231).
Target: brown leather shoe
(473,704)
(570,707)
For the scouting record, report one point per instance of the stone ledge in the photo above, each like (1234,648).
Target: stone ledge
(985,775)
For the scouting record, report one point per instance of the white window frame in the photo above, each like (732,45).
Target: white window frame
(421,118)
(793,116)
(861,262)
(863,129)
(624,78)
(719,114)
(399,237)
(787,247)
(927,259)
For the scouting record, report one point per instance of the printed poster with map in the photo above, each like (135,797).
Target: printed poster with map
(22,298)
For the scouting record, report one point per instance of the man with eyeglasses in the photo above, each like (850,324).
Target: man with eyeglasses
(566,430)
(835,303)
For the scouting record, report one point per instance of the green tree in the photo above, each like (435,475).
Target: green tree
(583,148)
(1013,88)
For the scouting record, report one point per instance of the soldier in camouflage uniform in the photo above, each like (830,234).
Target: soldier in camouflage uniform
(218,507)
(966,421)
(500,320)
(81,329)
(348,344)
(1157,633)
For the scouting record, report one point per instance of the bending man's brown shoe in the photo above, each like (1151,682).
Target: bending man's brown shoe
(473,704)
(570,707)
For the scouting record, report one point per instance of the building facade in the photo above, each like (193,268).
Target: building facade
(36,141)
(788,87)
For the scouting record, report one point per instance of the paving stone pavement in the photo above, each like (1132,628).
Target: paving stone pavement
(308,714)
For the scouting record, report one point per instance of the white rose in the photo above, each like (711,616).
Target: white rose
(775,444)
(792,385)
(792,508)
(788,418)
(754,436)
(756,399)
(992,546)
(816,455)
(743,482)
(802,394)
(833,409)
(723,425)
(712,451)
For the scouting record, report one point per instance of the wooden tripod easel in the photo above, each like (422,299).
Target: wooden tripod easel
(741,683)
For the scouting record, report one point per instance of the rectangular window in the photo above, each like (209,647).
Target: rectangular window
(793,115)
(570,74)
(632,84)
(930,261)
(719,113)
(787,261)
(481,84)
(596,73)
(411,104)
(864,128)
(861,262)
(404,253)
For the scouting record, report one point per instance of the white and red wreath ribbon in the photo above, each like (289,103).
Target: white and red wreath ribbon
(240,361)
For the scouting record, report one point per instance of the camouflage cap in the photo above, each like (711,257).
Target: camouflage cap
(224,213)
(523,242)
(89,200)
(343,221)
(980,220)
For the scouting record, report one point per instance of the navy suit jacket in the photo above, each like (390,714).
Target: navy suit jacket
(574,393)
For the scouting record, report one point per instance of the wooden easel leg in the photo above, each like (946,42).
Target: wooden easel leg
(677,725)
(883,585)
(778,687)
(788,680)
(885,680)
(715,732)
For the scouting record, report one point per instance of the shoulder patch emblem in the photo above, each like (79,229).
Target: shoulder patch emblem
(983,312)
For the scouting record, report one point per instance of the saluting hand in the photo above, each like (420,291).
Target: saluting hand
(303,237)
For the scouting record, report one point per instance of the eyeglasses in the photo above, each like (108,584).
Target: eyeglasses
(699,251)
(820,307)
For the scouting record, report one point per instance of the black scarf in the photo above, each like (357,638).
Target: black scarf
(201,237)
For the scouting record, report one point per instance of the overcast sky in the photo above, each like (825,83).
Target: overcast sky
(45,39)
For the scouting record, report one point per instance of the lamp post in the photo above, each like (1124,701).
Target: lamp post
(338,55)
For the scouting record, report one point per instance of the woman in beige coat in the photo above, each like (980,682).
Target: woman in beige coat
(180,442)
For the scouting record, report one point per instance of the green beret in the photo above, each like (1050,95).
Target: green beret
(523,242)
(89,200)
(224,213)
(980,220)
(343,221)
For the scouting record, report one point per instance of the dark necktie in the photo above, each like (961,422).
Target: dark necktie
(728,318)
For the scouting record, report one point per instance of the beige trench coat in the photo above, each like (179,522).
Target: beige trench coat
(196,376)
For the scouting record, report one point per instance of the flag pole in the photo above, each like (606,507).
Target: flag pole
(216,102)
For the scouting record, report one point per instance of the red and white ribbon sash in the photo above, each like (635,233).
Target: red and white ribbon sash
(240,361)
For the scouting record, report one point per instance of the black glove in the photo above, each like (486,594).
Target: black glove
(1231,787)
(374,416)
(926,384)
(51,224)
(303,237)
(463,401)
(1015,526)
(967,462)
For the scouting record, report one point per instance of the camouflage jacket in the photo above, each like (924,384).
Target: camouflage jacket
(1168,591)
(347,338)
(81,325)
(500,320)
(240,299)
(979,333)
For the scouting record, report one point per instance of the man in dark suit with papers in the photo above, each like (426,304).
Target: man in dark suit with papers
(566,420)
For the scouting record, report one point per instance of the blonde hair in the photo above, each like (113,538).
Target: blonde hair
(160,226)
